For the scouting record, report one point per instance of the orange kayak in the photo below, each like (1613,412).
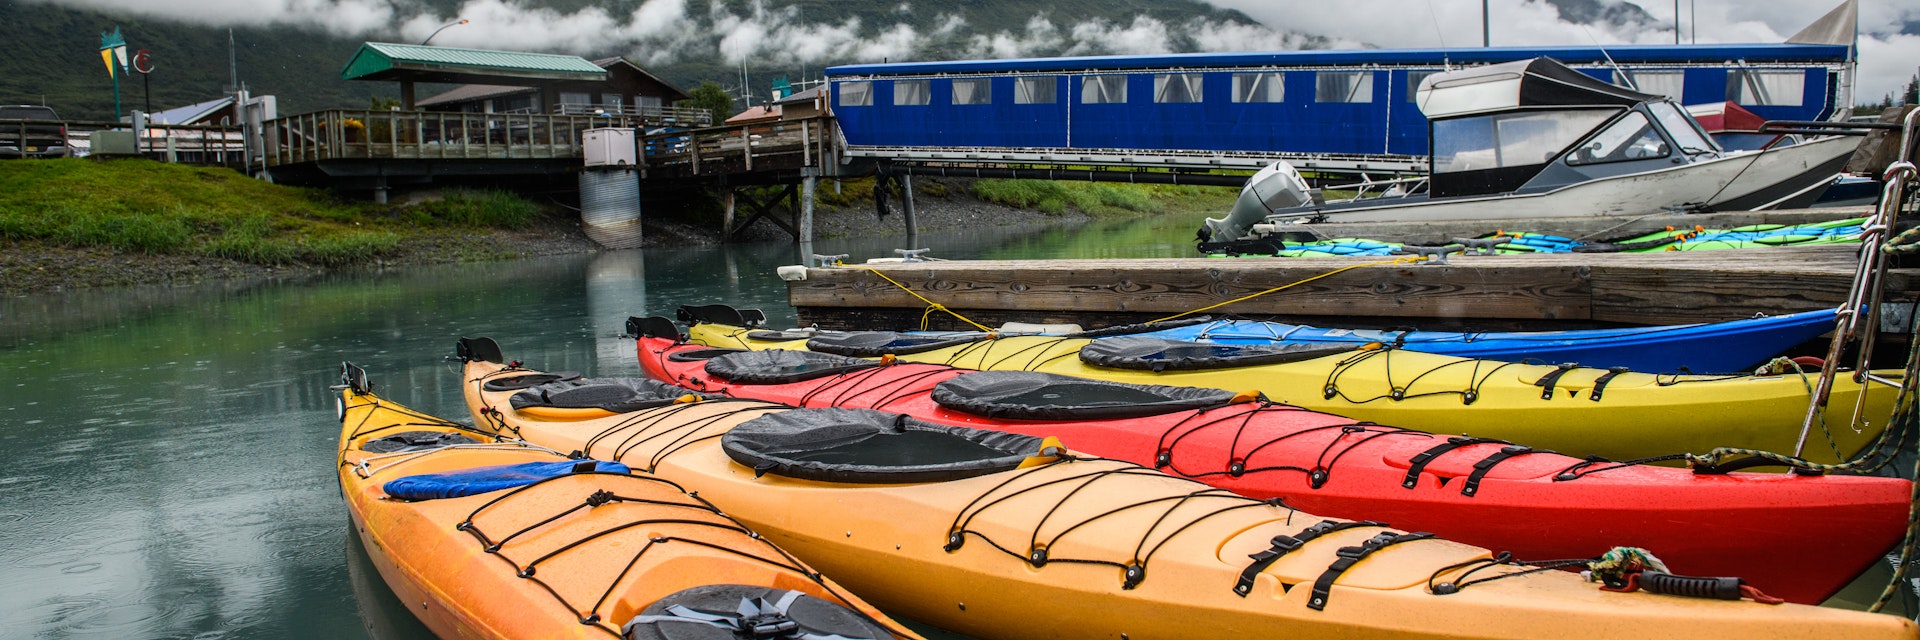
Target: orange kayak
(592,552)
(1001,535)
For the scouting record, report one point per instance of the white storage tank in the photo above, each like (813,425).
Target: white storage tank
(609,147)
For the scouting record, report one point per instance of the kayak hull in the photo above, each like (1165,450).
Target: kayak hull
(1731,524)
(558,570)
(1737,345)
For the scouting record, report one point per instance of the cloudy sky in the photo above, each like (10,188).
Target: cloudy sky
(658,31)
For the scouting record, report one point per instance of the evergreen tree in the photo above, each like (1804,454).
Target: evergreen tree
(712,97)
(1912,94)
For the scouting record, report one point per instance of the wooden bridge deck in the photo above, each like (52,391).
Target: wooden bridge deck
(1519,291)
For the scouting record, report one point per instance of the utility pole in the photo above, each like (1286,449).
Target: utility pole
(1676,21)
(1486,25)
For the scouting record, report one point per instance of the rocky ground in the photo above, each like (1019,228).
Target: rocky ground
(36,267)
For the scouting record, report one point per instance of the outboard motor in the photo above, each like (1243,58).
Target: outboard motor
(1276,187)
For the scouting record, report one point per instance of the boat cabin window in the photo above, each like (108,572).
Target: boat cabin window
(911,92)
(1767,87)
(1259,87)
(1103,90)
(1657,82)
(1176,87)
(978,91)
(1034,90)
(1630,138)
(1343,86)
(1414,78)
(1509,139)
(1685,131)
(856,94)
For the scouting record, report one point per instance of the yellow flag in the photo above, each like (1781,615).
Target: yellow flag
(106,56)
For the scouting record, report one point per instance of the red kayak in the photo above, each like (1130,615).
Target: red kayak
(1798,537)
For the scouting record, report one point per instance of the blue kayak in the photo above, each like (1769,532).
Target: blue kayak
(1736,345)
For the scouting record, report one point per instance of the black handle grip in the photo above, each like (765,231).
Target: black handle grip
(1692,586)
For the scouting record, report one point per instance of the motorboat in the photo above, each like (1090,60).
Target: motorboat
(1538,139)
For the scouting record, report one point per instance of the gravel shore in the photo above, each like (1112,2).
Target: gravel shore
(30,267)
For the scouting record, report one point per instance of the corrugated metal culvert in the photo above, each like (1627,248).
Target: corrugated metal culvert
(610,206)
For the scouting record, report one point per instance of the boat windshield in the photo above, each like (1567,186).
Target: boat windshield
(1510,139)
(1682,127)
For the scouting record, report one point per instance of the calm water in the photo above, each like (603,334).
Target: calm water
(166,454)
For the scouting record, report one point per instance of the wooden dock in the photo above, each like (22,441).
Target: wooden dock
(1539,291)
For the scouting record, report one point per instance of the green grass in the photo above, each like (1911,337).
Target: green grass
(1100,199)
(138,206)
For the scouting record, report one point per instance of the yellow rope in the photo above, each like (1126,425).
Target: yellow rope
(1293,284)
(931,305)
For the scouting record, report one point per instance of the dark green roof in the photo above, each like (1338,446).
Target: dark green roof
(387,61)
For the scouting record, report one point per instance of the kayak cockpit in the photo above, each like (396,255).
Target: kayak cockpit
(872,447)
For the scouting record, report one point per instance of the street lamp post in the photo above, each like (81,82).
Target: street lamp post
(442,28)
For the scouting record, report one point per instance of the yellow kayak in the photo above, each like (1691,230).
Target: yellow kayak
(1007,536)
(1574,410)
(591,552)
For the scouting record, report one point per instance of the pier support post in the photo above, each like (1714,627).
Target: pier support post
(380,190)
(805,223)
(726,219)
(906,203)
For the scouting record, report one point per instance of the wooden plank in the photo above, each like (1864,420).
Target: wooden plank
(1173,286)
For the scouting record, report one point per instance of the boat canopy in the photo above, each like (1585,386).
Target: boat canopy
(1540,82)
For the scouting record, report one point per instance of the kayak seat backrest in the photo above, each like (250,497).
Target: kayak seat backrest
(467,482)
(730,611)
(778,336)
(618,395)
(518,382)
(1030,395)
(873,344)
(865,446)
(780,366)
(700,355)
(415,441)
(1154,354)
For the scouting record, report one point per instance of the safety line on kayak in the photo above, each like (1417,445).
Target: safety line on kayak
(722,523)
(1134,570)
(1395,261)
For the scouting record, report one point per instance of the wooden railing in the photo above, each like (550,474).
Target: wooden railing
(784,144)
(402,135)
(359,134)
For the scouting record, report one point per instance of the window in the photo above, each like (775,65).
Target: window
(856,94)
(1175,87)
(1343,86)
(1684,130)
(1414,78)
(570,98)
(1259,87)
(1766,88)
(1632,138)
(1509,139)
(973,91)
(1035,90)
(911,92)
(647,104)
(1103,89)
(611,101)
(1660,83)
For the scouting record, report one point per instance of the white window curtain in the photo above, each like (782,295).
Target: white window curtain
(1259,87)
(978,91)
(1176,87)
(856,94)
(1103,89)
(1042,90)
(1660,83)
(1763,87)
(911,92)
(1343,86)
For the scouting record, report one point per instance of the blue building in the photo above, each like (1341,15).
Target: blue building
(1332,110)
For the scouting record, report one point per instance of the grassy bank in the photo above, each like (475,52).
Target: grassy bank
(143,207)
(1097,199)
